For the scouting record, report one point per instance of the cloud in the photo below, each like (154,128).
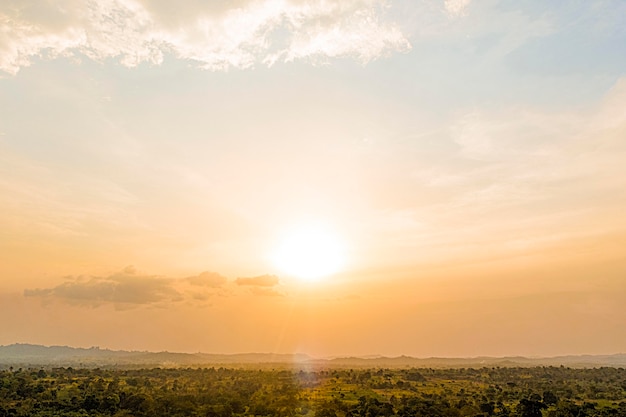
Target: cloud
(547,168)
(260,281)
(215,35)
(207,279)
(456,7)
(126,287)
(130,288)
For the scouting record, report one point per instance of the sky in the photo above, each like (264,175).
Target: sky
(330,177)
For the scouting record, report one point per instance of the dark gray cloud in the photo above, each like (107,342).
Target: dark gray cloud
(259,281)
(130,288)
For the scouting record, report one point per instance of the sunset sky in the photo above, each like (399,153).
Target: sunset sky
(331,177)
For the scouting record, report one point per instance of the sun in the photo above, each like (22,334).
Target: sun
(309,253)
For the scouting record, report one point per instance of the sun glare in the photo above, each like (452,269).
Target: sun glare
(309,253)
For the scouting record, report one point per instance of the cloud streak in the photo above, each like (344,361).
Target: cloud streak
(260,281)
(237,34)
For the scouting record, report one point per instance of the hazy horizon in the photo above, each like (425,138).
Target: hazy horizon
(369,357)
(433,178)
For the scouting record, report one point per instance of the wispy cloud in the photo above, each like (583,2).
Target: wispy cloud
(236,34)
(262,285)
(520,180)
(260,281)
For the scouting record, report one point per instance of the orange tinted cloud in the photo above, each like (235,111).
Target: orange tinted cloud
(259,281)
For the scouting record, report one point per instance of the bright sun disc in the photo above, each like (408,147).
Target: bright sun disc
(309,253)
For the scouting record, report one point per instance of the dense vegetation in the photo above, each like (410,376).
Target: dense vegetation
(524,392)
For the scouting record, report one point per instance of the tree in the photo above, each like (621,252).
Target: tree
(549,398)
(487,408)
(530,408)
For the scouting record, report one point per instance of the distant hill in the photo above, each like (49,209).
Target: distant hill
(582,361)
(27,355)
(37,355)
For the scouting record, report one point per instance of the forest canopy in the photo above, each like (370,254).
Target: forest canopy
(226,392)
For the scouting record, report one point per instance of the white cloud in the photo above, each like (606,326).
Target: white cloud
(237,34)
(456,7)
(358,32)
